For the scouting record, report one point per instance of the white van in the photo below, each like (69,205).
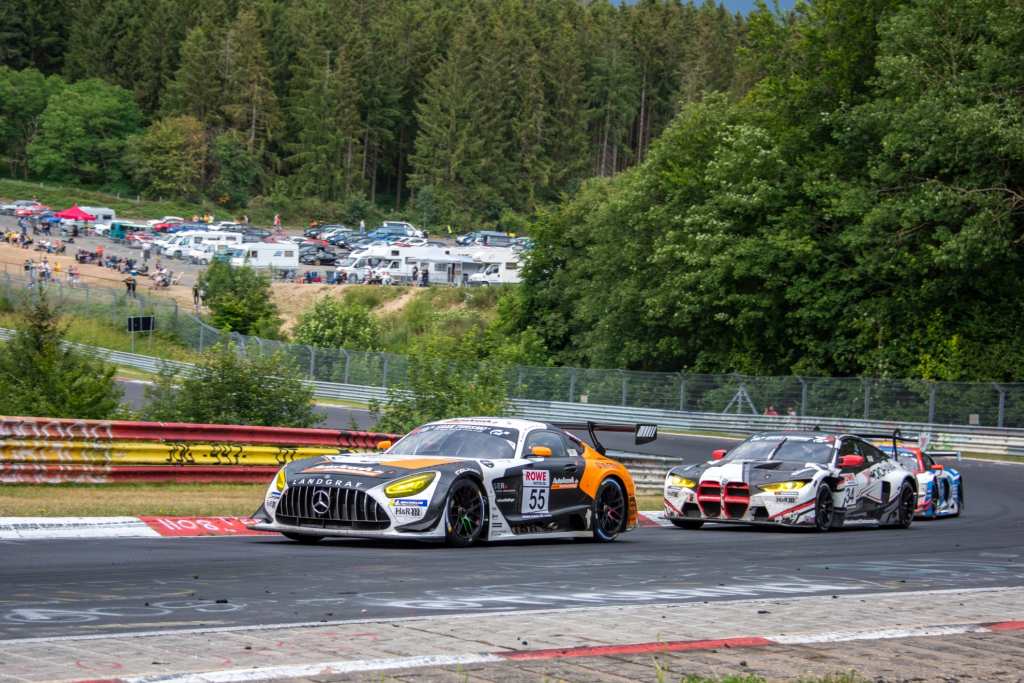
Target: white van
(264,255)
(506,273)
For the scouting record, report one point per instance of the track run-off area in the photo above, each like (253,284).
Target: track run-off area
(59,592)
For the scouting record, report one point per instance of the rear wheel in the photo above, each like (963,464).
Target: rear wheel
(305,539)
(959,497)
(824,509)
(905,508)
(688,523)
(465,513)
(610,511)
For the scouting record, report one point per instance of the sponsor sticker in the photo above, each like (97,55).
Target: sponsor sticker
(536,492)
(559,483)
(341,483)
(412,508)
(333,468)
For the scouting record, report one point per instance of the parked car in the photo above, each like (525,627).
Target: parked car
(31,209)
(317,257)
(11,209)
(166,219)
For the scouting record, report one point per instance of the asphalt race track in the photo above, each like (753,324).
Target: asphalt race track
(75,588)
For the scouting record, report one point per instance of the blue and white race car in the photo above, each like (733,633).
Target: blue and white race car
(940,487)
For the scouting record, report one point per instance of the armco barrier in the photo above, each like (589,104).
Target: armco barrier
(42,450)
(45,428)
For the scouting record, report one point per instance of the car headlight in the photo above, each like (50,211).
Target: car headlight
(409,486)
(681,482)
(784,486)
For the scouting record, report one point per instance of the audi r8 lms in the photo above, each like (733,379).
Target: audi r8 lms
(799,479)
(462,481)
(940,488)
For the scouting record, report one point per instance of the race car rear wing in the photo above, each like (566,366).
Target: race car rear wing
(895,435)
(642,433)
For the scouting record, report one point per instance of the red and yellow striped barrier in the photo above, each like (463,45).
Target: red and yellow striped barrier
(41,450)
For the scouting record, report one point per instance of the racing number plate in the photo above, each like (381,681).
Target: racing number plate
(536,491)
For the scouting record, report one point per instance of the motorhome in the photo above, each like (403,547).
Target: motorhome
(397,263)
(264,255)
(506,273)
(103,214)
(182,243)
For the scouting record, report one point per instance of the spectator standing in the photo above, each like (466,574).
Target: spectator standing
(770,411)
(145,252)
(425,277)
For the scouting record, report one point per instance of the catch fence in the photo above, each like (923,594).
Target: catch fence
(342,373)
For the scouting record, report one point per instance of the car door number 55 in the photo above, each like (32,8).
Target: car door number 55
(536,491)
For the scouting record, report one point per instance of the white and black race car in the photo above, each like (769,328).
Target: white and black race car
(809,479)
(461,481)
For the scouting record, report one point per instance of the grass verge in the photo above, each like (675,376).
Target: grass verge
(114,500)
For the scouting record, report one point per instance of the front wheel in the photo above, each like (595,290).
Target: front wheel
(610,511)
(465,514)
(824,509)
(305,539)
(688,523)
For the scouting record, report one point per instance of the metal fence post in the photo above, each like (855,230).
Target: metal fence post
(572,385)
(803,395)
(384,374)
(347,357)
(1002,405)
(931,403)
(519,379)
(201,331)
(625,386)
(867,398)
(312,362)
(682,392)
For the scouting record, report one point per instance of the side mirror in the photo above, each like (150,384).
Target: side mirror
(938,468)
(718,455)
(383,445)
(540,451)
(850,461)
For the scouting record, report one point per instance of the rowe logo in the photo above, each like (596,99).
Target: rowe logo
(535,477)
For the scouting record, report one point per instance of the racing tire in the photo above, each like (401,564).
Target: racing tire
(824,509)
(465,513)
(959,498)
(304,539)
(610,512)
(906,506)
(687,523)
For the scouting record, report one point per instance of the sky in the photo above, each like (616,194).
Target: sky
(747,5)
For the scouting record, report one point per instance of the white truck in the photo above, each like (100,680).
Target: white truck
(264,255)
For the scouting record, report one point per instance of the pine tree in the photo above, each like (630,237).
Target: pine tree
(251,105)
(197,89)
(39,377)
(326,121)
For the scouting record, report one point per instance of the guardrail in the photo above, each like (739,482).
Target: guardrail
(42,450)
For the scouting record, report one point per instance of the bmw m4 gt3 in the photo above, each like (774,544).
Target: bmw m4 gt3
(461,481)
(799,479)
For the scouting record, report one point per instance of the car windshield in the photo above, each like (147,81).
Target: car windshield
(459,440)
(784,448)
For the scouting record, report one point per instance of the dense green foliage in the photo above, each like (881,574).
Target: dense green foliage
(336,324)
(858,212)
(39,378)
(471,109)
(227,387)
(444,380)
(239,300)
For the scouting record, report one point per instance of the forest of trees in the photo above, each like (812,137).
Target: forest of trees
(835,190)
(478,111)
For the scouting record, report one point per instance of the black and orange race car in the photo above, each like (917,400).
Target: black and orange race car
(461,481)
